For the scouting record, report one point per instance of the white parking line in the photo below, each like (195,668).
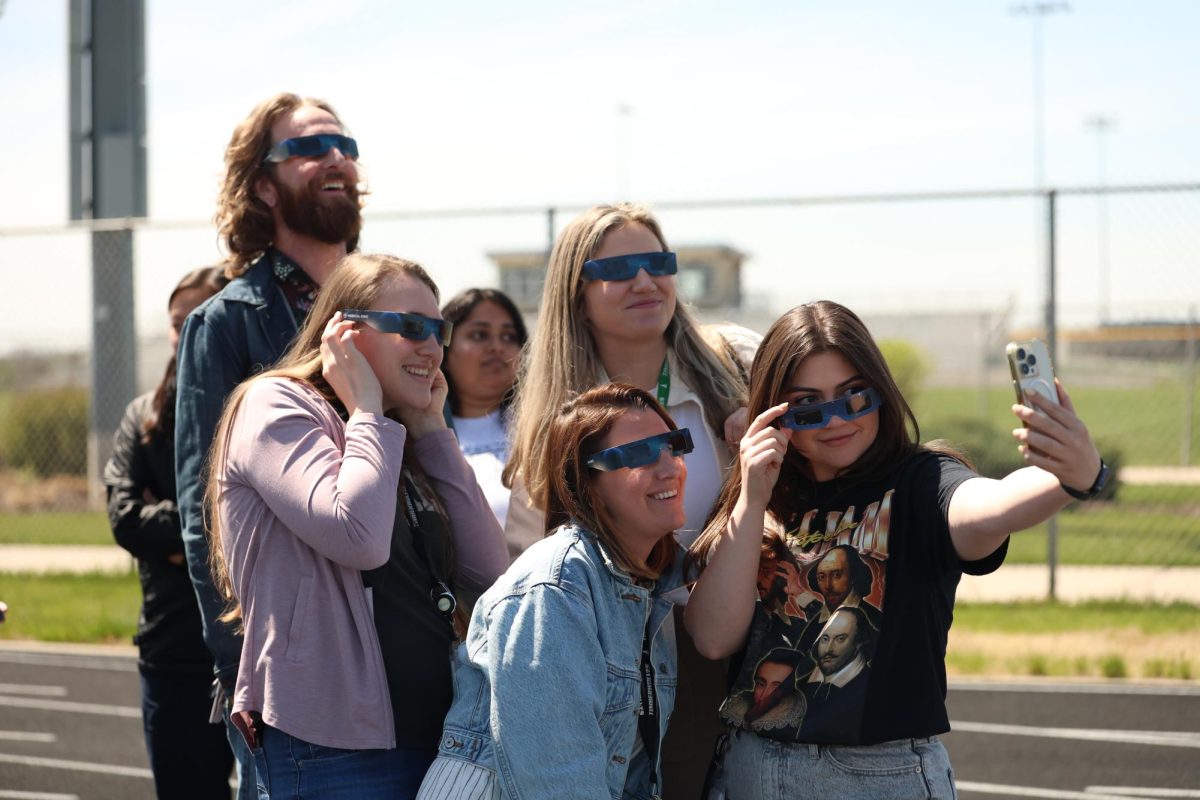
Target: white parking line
(27,736)
(1034,791)
(67,705)
(1160,738)
(108,663)
(1143,791)
(80,766)
(9,794)
(34,689)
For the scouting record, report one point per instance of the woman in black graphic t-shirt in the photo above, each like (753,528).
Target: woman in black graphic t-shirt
(832,560)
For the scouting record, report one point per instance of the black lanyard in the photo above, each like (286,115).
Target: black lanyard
(648,714)
(439,591)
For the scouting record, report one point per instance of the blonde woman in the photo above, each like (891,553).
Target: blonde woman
(609,312)
(345,520)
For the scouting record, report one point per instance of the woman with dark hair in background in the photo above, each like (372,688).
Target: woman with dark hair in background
(189,756)
(568,675)
(481,368)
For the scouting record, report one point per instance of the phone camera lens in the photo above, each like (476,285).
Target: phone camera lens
(1032,359)
(1024,369)
(1020,353)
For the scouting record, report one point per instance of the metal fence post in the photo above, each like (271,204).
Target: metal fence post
(1052,343)
(1189,390)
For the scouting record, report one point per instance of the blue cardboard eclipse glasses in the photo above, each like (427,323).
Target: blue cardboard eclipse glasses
(312,146)
(622,268)
(642,452)
(848,407)
(410,326)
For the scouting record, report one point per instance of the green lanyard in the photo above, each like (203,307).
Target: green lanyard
(664,384)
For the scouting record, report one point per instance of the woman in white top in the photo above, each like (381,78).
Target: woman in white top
(609,312)
(481,368)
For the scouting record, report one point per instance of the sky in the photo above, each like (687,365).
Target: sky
(533,103)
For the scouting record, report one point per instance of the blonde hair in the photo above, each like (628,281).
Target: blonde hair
(563,361)
(357,282)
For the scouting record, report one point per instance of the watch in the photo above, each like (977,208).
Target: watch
(1097,485)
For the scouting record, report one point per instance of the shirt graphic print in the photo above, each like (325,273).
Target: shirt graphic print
(808,659)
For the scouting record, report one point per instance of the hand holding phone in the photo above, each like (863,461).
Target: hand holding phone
(1032,370)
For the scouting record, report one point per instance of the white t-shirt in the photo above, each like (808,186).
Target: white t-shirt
(484,443)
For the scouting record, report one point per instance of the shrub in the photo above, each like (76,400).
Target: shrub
(909,366)
(992,449)
(45,432)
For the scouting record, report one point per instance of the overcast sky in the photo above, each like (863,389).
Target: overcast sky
(474,104)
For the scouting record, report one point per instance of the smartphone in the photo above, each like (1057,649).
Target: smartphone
(1032,370)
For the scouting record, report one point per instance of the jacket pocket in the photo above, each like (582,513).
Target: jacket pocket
(300,620)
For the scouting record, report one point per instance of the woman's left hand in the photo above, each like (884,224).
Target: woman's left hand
(1055,439)
(420,421)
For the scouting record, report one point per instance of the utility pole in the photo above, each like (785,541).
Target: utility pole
(1100,125)
(1036,11)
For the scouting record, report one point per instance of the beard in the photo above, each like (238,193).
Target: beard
(332,218)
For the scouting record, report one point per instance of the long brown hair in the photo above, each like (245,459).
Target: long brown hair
(804,331)
(575,433)
(563,359)
(357,282)
(243,220)
(161,422)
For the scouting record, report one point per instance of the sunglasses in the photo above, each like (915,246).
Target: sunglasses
(312,146)
(851,406)
(410,326)
(622,268)
(642,452)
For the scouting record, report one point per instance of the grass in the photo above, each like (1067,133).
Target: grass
(1096,639)
(1114,535)
(56,527)
(98,608)
(1146,423)
(1045,616)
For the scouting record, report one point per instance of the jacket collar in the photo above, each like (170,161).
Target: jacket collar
(670,580)
(253,286)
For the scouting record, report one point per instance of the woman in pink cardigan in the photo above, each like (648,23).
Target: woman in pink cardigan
(348,525)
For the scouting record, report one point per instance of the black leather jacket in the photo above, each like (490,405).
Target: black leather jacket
(140,479)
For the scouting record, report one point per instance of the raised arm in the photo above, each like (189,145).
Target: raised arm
(1059,449)
(549,685)
(721,606)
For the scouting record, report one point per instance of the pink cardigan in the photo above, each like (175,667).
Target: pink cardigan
(307,504)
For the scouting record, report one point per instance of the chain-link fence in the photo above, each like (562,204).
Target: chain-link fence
(952,276)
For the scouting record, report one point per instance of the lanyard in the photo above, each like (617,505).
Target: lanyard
(664,383)
(648,713)
(439,592)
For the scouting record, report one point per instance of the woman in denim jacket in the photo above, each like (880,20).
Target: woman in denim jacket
(567,677)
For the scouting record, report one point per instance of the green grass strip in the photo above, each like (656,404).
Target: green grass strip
(1044,616)
(55,527)
(92,608)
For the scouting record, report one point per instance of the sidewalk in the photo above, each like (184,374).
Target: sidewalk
(1010,582)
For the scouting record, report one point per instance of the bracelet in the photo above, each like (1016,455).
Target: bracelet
(1097,485)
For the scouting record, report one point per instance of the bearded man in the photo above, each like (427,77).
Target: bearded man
(289,209)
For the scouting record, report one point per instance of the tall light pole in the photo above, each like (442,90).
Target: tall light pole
(1036,11)
(1100,125)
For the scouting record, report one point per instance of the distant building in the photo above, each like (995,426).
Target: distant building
(710,276)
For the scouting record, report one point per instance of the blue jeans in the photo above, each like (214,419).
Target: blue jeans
(756,768)
(288,767)
(188,755)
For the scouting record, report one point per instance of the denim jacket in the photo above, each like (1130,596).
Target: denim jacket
(547,686)
(239,332)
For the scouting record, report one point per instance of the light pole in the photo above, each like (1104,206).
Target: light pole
(1100,125)
(624,110)
(1035,11)
(1044,224)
